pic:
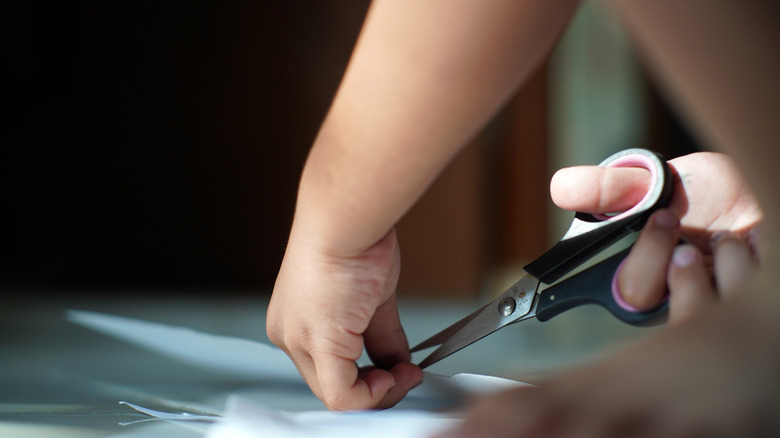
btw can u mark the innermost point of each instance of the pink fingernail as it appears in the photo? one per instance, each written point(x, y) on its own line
point(684, 256)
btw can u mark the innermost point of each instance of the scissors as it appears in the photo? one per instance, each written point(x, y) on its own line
point(588, 235)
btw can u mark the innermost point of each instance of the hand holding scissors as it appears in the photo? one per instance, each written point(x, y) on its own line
point(587, 236)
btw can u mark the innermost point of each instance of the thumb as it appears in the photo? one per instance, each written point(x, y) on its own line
point(593, 189)
point(385, 340)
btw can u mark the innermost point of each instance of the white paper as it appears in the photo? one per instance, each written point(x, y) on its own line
point(237, 357)
point(254, 360)
point(244, 419)
point(171, 416)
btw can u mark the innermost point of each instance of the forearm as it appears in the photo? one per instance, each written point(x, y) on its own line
point(424, 78)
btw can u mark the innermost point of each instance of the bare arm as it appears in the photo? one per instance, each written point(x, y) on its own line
point(715, 374)
point(425, 77)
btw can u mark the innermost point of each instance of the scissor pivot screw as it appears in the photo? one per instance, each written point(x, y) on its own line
point(507, 306)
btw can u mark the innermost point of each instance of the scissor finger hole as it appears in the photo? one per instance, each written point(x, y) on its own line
point(634, 160)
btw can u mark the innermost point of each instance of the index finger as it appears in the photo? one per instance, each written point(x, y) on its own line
point(342, 388)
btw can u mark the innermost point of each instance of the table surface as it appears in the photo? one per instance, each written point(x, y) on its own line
point(60, 379)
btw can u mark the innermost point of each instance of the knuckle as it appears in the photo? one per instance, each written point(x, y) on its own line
point(274, 332)
point(304, 341)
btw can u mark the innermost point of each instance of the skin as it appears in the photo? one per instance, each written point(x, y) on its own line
point(335, 288)
point(711, 196)
point(714, 373)
point(425, 76)
point(621, 405)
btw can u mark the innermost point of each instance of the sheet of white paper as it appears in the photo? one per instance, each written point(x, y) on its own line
point(237, 357)
point(255, 360)
point(476, 384)
point(244, 419)
point(180, 416)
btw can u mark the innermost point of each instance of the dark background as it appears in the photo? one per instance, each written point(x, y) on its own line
point(156, 146)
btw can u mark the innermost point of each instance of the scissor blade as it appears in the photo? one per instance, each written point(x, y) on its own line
point(442, 336)
point(512, 306)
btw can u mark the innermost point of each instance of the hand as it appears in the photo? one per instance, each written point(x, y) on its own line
point(325, 307)
point(710, 196)
point(714, 375)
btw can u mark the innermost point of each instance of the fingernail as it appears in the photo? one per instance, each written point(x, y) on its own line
point(666, 219)
point(684, 256)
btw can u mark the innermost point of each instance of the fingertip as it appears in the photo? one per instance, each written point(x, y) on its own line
point(734, 261)
point(407, 376)
point(375, 388)
point(561, 187)
point(343, 386)
point(690, 284)
point(685, 256)
point(379, 383)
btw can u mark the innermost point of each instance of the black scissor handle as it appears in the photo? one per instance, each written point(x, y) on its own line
point(589, 234)
point(596, 285)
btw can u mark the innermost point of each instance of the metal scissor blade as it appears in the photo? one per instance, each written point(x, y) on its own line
point(455, 343)
point(512, 306)
point(444, 335)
